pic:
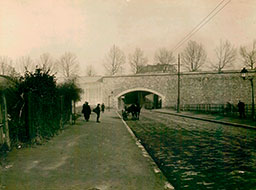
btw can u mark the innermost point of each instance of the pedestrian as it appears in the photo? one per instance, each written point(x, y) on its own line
point(102, 107)
point(241, 109)
point(137, 111)
point(86, 111)
point(228, 107)
point(97, 111)
point(124, 115)
point(132, 109)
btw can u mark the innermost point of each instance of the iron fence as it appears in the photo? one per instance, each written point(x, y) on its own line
point(222, 109)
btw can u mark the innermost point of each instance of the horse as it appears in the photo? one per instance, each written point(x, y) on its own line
point(134, 110)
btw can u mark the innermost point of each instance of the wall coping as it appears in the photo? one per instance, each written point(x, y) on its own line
point(182, 73)
point(100, 78)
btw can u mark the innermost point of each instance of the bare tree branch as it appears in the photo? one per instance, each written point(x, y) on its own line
point(90, 71)
point(68, 65)
point(226, 55)
point(249, 56)
point(137, 60)
point(194, 56)
point(163, 56)
point(47, 63)
point(114, 61)
point(6, 66)
point(25, 63)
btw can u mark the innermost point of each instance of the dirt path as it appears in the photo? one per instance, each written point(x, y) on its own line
point(84, 156)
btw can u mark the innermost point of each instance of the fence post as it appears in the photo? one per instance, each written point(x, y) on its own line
point(73, 113)
point(26, 114)
point(1, 125)
point(31, 111)
point(5, 122)
point(70, 112)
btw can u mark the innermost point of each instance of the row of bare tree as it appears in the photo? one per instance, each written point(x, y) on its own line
point(193, 58)
point(66, 66)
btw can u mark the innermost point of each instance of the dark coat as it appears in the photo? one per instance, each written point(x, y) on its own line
point(102, 107)
point(86, 109)
point(97, 110)
point(241, 106)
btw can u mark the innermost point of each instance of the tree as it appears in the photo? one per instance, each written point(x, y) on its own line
point(164, 56)
point(114, 61)
point(68, 65)
point(137, 60)
point(71, 90)
point(249, 56)
point(6, 67)
point(46, 62)
point(226, 55)
point(194, 56)
point(24, 64)
point(39, 115)
point(90, 71)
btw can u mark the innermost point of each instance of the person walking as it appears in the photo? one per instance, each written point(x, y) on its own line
point(86, 111)
point(102, 107)
point(97, 111)
point(137, 111)
point(241, 109)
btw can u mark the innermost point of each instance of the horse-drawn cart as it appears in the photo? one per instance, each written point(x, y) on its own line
point(134, 110)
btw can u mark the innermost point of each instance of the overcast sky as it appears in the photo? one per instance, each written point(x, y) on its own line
point(89, 28)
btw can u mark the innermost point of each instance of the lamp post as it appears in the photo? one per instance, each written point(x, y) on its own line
point(245, 76)
point(178, 98)
point(109, 102)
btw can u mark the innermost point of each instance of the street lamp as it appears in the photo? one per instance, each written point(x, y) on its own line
point(109, 100)
point(245, 76)
point(178, 98)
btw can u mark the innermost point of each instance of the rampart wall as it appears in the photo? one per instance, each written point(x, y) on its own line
point(196, 88)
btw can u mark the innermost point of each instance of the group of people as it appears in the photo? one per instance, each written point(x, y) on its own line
point(240, 107)
point(86, 110)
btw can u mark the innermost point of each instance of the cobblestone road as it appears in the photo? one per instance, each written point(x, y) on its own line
point(198, 155)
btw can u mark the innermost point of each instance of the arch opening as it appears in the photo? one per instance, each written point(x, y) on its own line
point(145, 98)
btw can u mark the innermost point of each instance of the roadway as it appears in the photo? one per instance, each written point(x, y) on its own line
point(197, 154)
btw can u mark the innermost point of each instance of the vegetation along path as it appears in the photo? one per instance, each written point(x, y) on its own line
point(87, 155)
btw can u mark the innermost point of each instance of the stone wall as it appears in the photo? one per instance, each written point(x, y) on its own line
point(214, 88)
point(196, 88)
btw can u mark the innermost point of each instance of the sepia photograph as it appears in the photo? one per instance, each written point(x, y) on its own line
point(127, 94)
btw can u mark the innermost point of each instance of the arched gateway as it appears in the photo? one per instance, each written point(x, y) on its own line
point(147, 98)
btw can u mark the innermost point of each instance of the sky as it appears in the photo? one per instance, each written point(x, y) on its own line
point(89, 28)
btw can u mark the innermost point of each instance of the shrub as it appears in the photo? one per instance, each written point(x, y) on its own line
point(39, 114)
point(37, 106)
point(69, 91)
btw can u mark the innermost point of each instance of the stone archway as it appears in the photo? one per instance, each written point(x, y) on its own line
point(118, 97)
